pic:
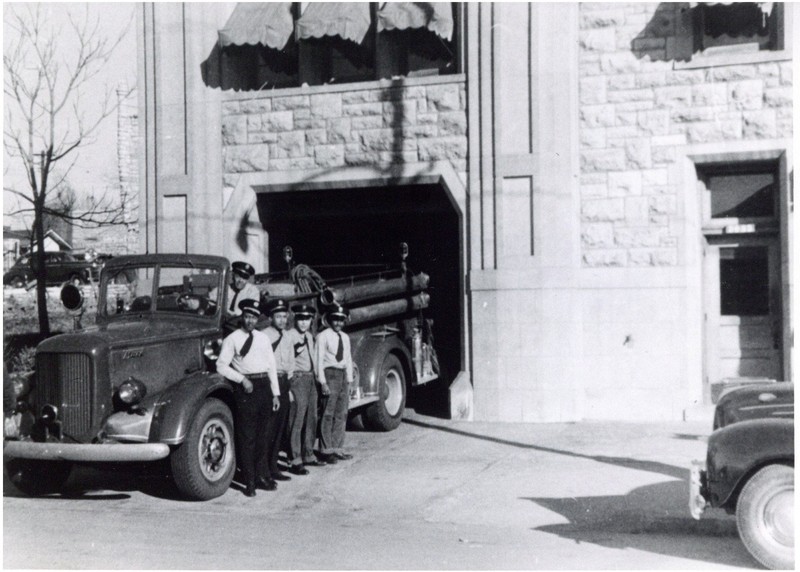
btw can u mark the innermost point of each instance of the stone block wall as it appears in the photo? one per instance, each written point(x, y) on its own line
point(639, 103)
point(374, 123)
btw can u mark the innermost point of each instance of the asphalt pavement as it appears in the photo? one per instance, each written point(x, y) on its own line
point(433, 494)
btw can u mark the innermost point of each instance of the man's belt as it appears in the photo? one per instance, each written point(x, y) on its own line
point(256, 376)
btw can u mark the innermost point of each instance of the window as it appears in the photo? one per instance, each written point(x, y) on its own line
point(741, 26)
point(405, 47)
point(740, 192)
point(743, 281)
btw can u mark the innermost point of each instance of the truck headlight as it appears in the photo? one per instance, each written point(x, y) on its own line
point(131, 392)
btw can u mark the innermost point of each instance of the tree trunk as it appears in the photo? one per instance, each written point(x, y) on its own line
point(39, 267)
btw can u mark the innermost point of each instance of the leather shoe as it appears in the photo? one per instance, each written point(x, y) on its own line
point(250, 491)
point(281, 477)
point(266, 484)
point(330, 459)
point(298, 470)
point(343, 456)
point(315, 463)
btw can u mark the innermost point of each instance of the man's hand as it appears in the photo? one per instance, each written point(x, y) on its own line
point(326, 391)
point(276, 403)
point(248, 385)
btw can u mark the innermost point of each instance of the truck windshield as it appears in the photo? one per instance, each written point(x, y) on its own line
point(192, 290)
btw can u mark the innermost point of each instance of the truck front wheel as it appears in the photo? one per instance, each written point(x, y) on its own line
point(386, 413)
point(765, 516)
point(35, 478)
point(203, 464)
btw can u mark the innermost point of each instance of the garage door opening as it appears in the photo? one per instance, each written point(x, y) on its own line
point(346, 231)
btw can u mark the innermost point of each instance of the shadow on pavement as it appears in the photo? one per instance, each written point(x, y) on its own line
point(111, 482)
point(650, 466)
point(649, 518)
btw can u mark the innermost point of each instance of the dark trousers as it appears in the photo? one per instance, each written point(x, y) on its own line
point(253, 415)
point(334, 413)
point(303, 422)
point(277, 426)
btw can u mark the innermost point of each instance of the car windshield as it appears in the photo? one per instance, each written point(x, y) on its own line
point(183, 289)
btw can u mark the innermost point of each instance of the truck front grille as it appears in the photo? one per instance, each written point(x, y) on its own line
point(65, 380)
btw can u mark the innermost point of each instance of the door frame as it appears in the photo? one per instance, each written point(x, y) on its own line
point(686, 170)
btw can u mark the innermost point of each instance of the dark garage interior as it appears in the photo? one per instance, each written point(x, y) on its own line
point(343, 231)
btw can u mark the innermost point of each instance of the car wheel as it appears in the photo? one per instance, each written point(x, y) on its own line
point(386, 413)
point(17, 282)
point(203, 464)
point(765, 516)
point(34, 477)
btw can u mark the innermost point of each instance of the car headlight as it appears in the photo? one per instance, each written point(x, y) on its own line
point(131, 392)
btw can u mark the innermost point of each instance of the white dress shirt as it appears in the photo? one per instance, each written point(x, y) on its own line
point(259, 359)
point(327, 344)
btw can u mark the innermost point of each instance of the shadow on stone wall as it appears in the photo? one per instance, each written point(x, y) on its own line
point(668, 36)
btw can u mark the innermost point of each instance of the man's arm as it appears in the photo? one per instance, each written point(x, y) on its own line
point(226, 353)
point(348, 361)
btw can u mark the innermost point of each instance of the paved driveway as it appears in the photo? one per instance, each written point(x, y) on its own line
point(433, 494)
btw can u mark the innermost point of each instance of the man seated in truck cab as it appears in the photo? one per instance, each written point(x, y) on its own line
point(239, 289)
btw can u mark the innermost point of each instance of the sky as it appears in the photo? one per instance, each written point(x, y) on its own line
point(97, 162)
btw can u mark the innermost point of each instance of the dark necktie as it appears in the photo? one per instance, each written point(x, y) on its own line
point(233, 302)
point(340, 349)
point(276, 342)
point(247, 343)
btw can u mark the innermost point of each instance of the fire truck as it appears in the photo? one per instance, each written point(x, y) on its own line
point(141, 385)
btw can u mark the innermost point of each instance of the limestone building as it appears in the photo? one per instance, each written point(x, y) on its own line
point(600, 192)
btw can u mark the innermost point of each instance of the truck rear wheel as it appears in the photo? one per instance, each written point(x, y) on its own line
point(35, 478)
point(765, 516)
point(203, 464)
point(386, 413)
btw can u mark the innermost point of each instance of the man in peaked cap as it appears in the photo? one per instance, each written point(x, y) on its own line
point(303, 415)
point(283, 349)
point(335, 374)
point(240, 289)
point(247, 361)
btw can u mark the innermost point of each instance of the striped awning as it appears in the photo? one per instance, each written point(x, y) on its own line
point(350, 20)
point(435, 16)
point(766, 7)
point(266, 23)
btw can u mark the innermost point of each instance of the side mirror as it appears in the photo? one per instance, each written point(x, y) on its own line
point(71, 297)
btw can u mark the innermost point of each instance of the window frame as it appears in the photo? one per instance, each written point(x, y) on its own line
point(733, 54)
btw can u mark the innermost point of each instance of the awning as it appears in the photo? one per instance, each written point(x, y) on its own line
point(436, 16)
point(350, 20)
point(266, 23)
point(766, 7)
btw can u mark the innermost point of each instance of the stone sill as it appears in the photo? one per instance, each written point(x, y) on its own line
point(732, 59)
point(346, 87)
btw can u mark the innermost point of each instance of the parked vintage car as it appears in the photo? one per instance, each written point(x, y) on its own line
point(749, 470)
point(60, 267)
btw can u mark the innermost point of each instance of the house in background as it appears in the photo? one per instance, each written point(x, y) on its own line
point(18, 242)
point(600, 192)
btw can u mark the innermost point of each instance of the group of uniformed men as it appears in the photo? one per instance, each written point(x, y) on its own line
point(277, 375)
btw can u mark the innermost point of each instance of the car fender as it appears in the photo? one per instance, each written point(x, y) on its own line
point(369, 355)
point(176, 405)
point(737, 451)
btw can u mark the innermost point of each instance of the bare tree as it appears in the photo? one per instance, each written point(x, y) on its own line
point(48, 68)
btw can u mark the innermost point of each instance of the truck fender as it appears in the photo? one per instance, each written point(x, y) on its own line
point(369, 356)
point(176, 405)
point(737, 451)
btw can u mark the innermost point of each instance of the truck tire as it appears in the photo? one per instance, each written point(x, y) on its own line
point(203, 464)
point(35, 478)
point(765, 517)
point(386, 413)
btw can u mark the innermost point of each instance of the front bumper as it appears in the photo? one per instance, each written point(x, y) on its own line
point(85, 452)
point(697, 487)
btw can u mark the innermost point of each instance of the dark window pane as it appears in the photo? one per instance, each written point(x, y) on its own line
point(744, 282)
point(414, 52)
point(743, 195)
point(332, 59)
point(251, 68)
point(737, 23)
